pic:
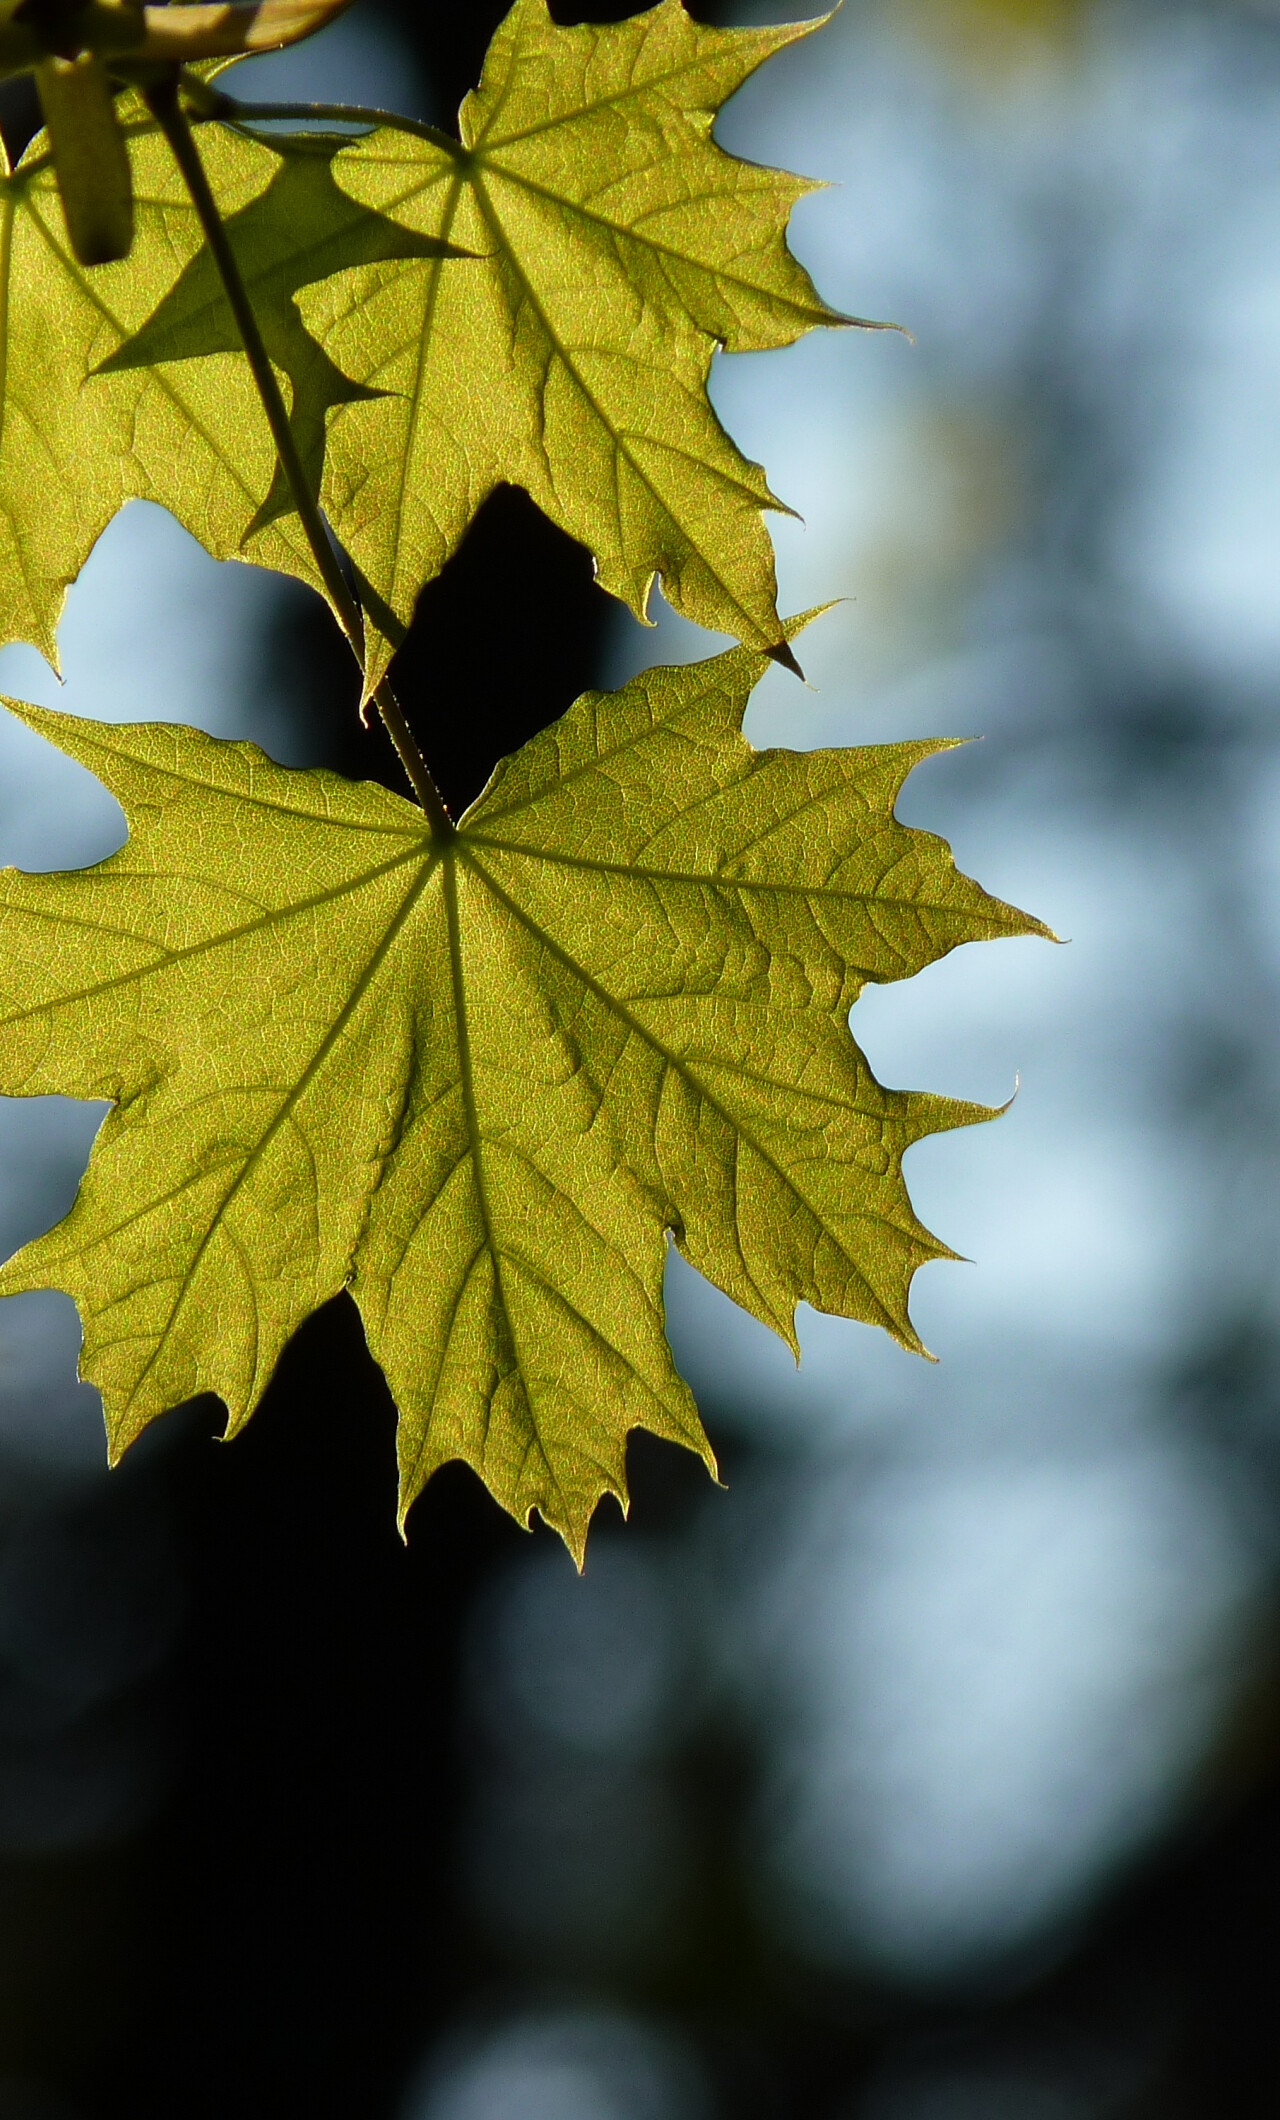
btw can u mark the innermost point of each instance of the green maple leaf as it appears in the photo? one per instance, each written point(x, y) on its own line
point(88, 422)
point(478, 1080)
point(538, 305)
point(617, 247)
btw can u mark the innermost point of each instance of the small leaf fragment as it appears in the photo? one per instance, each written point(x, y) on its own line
point(179, 35)
point(211, 29)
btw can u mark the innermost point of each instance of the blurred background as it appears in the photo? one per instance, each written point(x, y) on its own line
point(932, 1771)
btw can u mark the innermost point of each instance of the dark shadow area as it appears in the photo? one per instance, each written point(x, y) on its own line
point(297, 1890)
point(501, 643)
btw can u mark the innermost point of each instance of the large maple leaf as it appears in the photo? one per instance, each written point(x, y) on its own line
point(100, 399)
point(477, 1079)
point(617, 248)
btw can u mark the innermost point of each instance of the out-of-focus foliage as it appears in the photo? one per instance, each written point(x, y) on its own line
point(67, 44)
point(990, 37)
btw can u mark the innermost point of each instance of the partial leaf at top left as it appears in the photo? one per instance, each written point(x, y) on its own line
point(84, 428)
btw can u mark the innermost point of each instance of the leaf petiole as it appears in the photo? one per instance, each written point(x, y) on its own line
point(163, 102)
point(215, 103)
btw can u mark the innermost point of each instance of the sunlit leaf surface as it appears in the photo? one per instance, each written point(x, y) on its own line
point(478, 1081)
point(617, 248)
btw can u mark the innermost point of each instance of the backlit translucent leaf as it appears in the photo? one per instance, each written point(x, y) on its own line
point(477, 1082)
point(617, 248)
point(190, 33)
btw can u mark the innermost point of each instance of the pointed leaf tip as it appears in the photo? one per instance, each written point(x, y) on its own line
point(782, 652)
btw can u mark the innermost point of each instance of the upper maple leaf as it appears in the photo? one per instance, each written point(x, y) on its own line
point(537, 303)
point(477, 1079)
point(617, 248)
